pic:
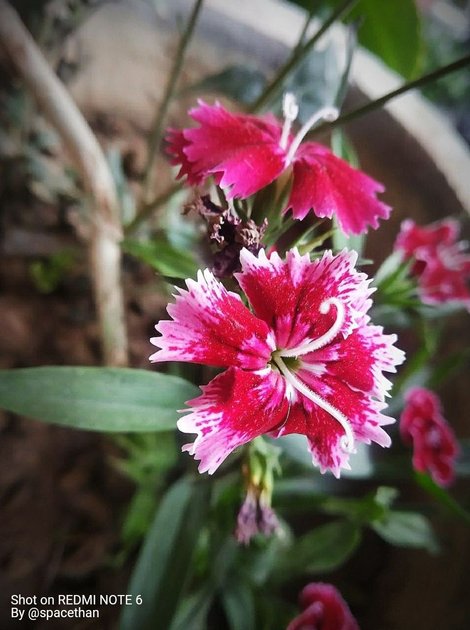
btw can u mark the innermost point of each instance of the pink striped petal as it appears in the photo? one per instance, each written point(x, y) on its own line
point(360, 360)
point(211, 325)
point(234, 408)
point(175, 149)
point(288, 294)
point(324, 432)
point(331, 187)
point(242, 151)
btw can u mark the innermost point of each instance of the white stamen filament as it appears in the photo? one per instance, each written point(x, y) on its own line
point(326, 113)
point(290, 110)
point(346, 440)
point(330, 334)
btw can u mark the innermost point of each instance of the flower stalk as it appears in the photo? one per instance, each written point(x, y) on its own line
point(160, 118)
point(459, 64)
point(298, 55)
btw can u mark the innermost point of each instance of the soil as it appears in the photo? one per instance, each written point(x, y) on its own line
point(61, 499)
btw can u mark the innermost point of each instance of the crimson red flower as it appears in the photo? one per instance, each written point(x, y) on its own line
point(441, 265)
point(303, 360)
point(246, 153)
point(434, 444)
point(324, 609)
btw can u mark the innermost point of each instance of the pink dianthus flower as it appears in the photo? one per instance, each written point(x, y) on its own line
point(324, 609)
point(441, 265)
point(303, 360)
point(434, 445)
point(245, 153)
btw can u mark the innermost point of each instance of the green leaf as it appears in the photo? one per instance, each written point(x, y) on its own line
point(48, 273)
point(138, 516)
point(350, 46)
point(295, 447)
point(322, 549)
point(193, 610)
point(258, 562)
point(167, 259)
point(124, 191)
point(241, 83)
point(96, 399)
point(407, 529)
point(341, 241)
point(391, 30)
point(164, 563)
point(444, 498)
point(313, 86)
point(237, 600)
point(343, 148)
point(449, 366)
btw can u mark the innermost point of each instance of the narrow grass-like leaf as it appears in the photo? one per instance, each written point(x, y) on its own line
point(96, 399)
point(163, 257)
point(237, 600)
point(164, 563)
point(441, 495)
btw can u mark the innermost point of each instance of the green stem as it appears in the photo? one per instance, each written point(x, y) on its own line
point(308, 21)
point(411, 85)
point(156, 134)
point(148, 209)
point(298, 54)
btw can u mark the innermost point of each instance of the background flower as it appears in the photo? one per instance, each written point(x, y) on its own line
point(324, 609)
point(441, 262)
point(434, 444)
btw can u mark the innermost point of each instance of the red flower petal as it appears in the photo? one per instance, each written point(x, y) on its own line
point(360, 359)
point(242, 151)
point(323, 431)
point(287, 295)
point(324, 609)
point(235, 407)
point(211, 325)
point(329, 186)
point(176, 145)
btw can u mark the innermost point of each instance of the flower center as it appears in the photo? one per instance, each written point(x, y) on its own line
point(287, 363)
point(323, 340)
point(290, 110)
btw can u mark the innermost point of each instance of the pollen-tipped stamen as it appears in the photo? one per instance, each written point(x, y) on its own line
point(326, 113)
point(346, 440)
point(290, 109)
point(324, 339)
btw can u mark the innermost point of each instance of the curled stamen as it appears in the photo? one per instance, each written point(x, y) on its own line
point(326, 113)
point(347, 440)
point(290, 110)
point(330, 334)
